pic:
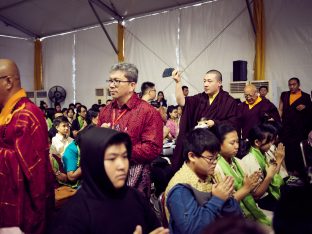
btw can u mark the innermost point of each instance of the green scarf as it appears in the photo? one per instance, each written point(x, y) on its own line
point(80, 121)
point(277, 180)
point(248, 204)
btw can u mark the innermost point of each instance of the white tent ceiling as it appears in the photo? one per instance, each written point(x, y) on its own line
point(40, 18)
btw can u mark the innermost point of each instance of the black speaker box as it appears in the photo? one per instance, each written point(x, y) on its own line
point(239, 70)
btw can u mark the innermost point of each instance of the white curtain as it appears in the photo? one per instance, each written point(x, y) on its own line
point(94, 57)
point(201, 47)
point(58, 64)
point(79, 62)
point(153, 43)
point(150, 43)
point(22, 52)
point(289, 42)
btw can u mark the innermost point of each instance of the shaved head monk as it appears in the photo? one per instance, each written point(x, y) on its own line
point(255, 110)
point(26, 179)
point(214, 105)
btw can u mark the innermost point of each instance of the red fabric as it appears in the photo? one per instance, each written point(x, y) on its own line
point(26, 179)
point(142, 122)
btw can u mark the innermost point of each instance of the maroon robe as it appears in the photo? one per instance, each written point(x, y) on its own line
point(296, 127)
point(222, 110)
point(260, 113)
point(26, 179)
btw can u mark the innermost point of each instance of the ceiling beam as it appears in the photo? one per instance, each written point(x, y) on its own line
point(18, 27)
point(107, 9)
point(12, 5)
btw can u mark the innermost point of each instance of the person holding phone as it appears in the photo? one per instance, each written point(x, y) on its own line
point(216, 105)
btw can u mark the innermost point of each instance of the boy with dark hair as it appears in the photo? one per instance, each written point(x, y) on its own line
point(192, 200)
point(58, 146)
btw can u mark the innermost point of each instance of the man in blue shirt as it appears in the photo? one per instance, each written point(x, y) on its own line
point(193, 200)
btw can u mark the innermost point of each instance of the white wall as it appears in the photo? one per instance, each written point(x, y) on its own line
point(22, 52)
point(154, 43)
point(79, 62)
point(289, 42)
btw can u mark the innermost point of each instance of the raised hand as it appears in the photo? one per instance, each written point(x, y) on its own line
point(176, 75)
point(280, 153)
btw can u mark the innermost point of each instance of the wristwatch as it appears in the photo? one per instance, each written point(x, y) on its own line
point(57, 173)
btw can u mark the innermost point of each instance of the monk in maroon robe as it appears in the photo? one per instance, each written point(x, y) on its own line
point(214, 104)
point(26, 179)
point(255, 110)
point(296, 111)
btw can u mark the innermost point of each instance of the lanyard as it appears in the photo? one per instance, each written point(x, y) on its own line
point(115, 120)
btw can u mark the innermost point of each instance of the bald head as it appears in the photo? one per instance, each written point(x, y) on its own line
point(9, 80)
point(8, 68)
point(251, 93)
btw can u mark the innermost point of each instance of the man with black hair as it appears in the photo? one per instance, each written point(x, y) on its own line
point(128, 113)
point(148, 91)
point(216, 105)
point(296, 111)
point(263, 91)
point(185, 90)
point(192, 200)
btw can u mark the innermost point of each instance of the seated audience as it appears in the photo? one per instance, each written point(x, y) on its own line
point(192, 201)
point(161, 99)
point(172, 122)
point(229, 165)
point(104, 203)
point(58, 146)
point(70, 115)
point(92, 117)
point(268, 192)
point(80, 122)
point(58, 108)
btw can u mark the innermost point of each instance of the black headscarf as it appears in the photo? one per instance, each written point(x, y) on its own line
point(93, 144)
point(98, 207)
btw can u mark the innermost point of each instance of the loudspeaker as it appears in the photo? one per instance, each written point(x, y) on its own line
point(239, 70)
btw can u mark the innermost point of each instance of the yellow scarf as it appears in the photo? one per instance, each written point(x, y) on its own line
point(186, 176)
point(259, 99)
point(6, 115)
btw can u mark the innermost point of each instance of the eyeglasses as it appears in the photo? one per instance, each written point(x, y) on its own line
point(117, 82)
point(210, 159)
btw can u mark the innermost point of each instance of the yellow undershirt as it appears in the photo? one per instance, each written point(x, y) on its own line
point(259, 99)
point(212, 98)
point(294, 97)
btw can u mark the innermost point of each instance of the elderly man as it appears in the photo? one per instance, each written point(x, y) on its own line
point(296, 111)
point(255, 110)
point(214, 104)
point(26, 179)
point(128, 113)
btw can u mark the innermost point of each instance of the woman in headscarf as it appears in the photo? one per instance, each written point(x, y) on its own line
point(104, 204)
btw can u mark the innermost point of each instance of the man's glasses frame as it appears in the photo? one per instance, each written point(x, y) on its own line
point(209, 159)
point(117, 82)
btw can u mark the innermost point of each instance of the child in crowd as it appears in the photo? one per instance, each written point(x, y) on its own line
point(172, 122)
point(268, 192)
point(59, 143)
point(192, 201)
point(229, 165)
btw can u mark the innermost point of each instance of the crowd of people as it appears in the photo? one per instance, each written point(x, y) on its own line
point(232, 160)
